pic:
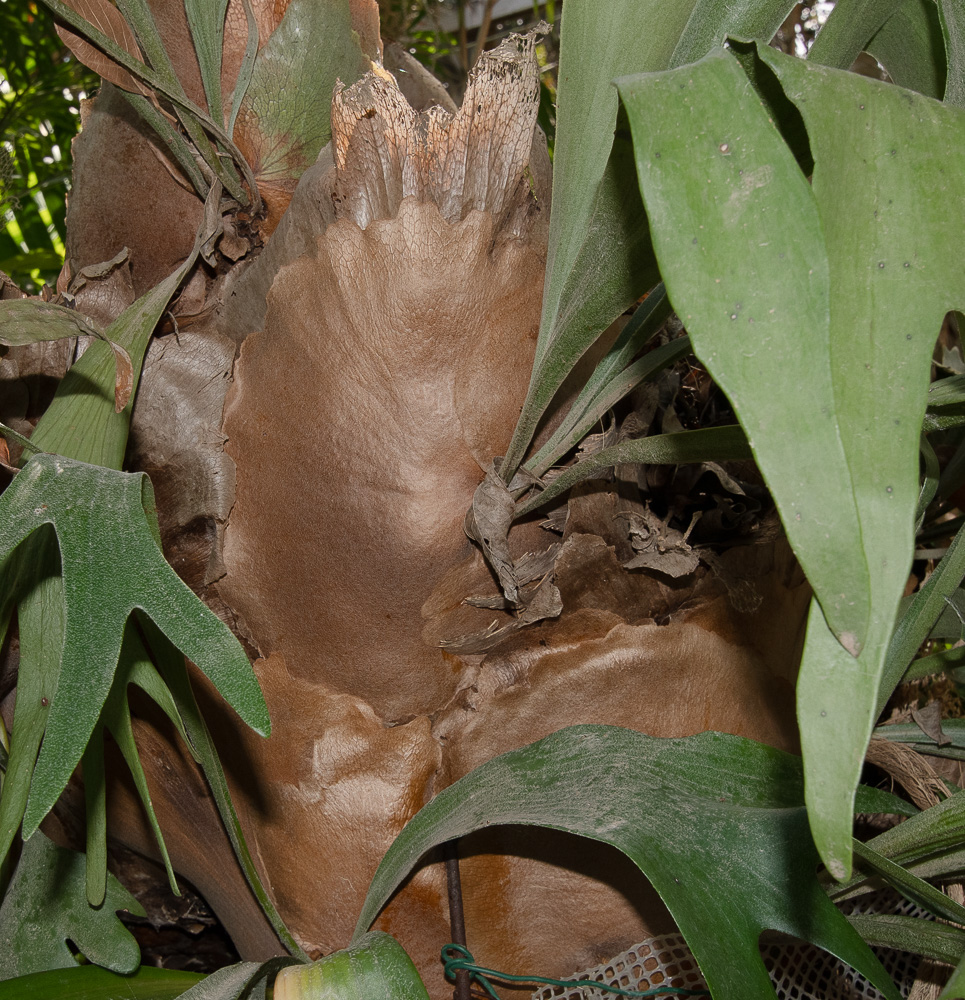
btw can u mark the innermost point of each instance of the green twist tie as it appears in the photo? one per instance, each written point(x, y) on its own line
point(457, 958)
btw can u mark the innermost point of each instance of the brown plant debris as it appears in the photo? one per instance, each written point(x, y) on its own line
point(910, 769)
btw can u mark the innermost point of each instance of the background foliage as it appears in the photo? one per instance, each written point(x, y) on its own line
point(41, 85)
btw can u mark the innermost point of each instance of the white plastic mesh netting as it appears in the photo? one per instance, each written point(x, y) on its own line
point(798, 971)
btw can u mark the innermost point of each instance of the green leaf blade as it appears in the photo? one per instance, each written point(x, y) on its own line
point(600, 258)
point(890, 230)
point(111, 565)
point(737, 858)
point(91, 982)
point(848, 29)
point(952, 16)
point(709, 444)
point(206, 19)
point(286, 110)
point(910, 47)
point(41, 640)
point(376, 966)
point(46, 905)
point(82, 421)
point(740, 247)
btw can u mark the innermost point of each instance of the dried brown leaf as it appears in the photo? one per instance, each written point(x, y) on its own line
point(123, 377)
point(929, 721)
point(101, 270)
point(545, 602)
point(534, 565)
point(104, 16)
point(473, 159)
point(488, 522)
point(658, 546)
point(9, 288)
point(27, 321)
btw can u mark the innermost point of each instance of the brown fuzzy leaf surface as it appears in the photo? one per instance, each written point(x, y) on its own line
point(389, 370)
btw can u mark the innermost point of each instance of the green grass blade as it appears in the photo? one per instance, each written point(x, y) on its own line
point(246, 68)
point(930, 480)
point(910, 886)
point(613, 267)
point(595, 397)
point(190, 114)
point(928, 844)
point(587, 413)
point(600, 259)
point(717, 444)
point(206, 19)
point(916, 623)
point(911, 934)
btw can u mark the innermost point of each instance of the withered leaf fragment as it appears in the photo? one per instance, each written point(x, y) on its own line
point(27, 321)
point(103, 15)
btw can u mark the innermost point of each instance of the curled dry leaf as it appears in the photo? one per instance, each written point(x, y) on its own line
point(929, 721)
point(101, 270)
point(9, 288)
point(487, 523)
point(658, 546)
point(124, 380)
point(103, 15)
point(543, 602)
point(529, 567)
point(100, 291)
point(27, 321)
